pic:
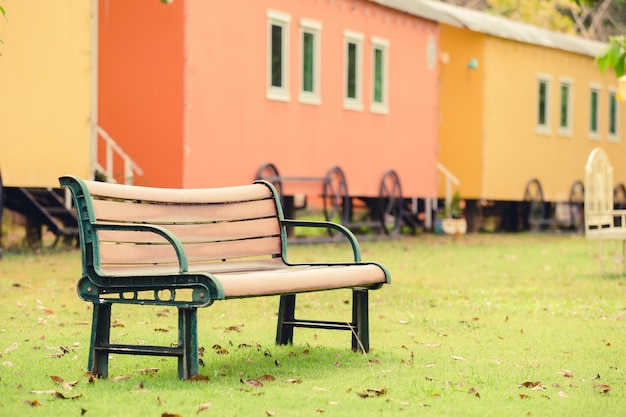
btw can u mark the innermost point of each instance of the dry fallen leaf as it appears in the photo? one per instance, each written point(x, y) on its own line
point(203, 407)
point(474, 392)
point(33, 403)
point(603, 388)
point(252, 382)
point(266, 377)
point(458, 358)
point(147, 371)
point(120, 378)
point(566, 373)
point(12, 347)
point(170, 415)
point(524, 396)
point(562, 394)
point(294, 381)
point(196, 378)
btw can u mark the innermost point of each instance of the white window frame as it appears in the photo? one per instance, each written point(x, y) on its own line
point(544, 129)
point(598, 89)
point(314, 28)
point(613, 137)
point(383, 106)
point(569, 82)
point(276, 18)
point(355, 103)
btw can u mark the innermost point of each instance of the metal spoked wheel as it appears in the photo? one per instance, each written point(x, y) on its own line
point(1, 210)
point(335, 196)
point(390, 200)
point(576, 205)
point(269, 172)
point(619, 197)
point(535, 207)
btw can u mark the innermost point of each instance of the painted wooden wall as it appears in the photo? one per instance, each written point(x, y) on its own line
point(45, 91)
point(183, 90)
point(488, 132)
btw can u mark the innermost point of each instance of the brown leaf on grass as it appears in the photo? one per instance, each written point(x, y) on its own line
point(562, 394)
point(60, 395)
point(120, 378)
point(531, 384)
point(233, 329)
point(198, 378)
point(319, 410)
point(372, 393)
point(116, 324)
point(473, 391)
point(603, 388)
point(458, 358)
point(161, 330)
point(293, 381)
point(373, 361)
point(266, 377)
point(13, 346)
point(222, 352)
point(33, 403)
point(524, 397)
point(203, 407)
point(91, 378)
point(270, 413)
point(252, 382)
point(147, 371)
point(566, 373)
point(170, 415)
point(67, 386)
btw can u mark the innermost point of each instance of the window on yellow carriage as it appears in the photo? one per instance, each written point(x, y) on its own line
point(594, 96)
point(613, 128)
point(379, 103)
point(353, 70)
point(278, 55)
point(565, 108)
point(310, 61)
point(543, 104)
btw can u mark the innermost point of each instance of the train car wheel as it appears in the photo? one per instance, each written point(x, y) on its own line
point(1, 210)
point(335, 197)
point(576, 205)
point(390, 200)
point(619, 197)
point(269, 172)
point(534, 205)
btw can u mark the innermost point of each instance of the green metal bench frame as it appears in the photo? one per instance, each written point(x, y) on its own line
point(107, 280)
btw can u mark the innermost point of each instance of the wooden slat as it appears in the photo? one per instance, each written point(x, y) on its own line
point(171, 195)
point(155, 254)
point(196, 233)
point(120, 211)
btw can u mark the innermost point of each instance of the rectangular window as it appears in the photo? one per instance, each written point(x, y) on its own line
point(613, 134)
point(543, 105)
point(594, 95)
point(565, 109)
point(278, 56)
point(353, 69)
point(379, 76)
point(310, 38)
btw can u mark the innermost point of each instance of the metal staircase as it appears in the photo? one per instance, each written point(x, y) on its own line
point(43, 207)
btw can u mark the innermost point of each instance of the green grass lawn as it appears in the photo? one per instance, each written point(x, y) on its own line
point(479, 325)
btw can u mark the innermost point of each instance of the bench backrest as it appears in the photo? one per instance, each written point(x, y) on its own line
point(598, 191)
point(231, 225)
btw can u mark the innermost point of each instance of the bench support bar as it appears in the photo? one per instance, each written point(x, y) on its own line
point(359, 327)
point(186, 351)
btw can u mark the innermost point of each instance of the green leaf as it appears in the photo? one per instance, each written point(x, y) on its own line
point(4, 13)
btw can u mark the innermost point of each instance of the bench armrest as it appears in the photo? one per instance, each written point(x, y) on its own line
point(356, 250)
point(183, 264)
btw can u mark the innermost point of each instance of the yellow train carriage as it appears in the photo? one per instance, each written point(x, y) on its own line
point(46, 103)
point(521, 108)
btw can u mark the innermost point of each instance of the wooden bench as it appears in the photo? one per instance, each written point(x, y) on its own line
point(189, 247)
point(602, 220)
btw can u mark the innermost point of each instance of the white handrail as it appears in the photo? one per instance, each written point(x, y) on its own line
point(112, 148)
point(450, 179)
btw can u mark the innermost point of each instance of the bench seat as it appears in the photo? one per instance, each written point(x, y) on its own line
point(191, 247)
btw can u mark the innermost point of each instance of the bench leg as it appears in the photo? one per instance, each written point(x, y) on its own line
point(98, 363)
point(286, 313)
point(360, 319)
point(188, 341)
